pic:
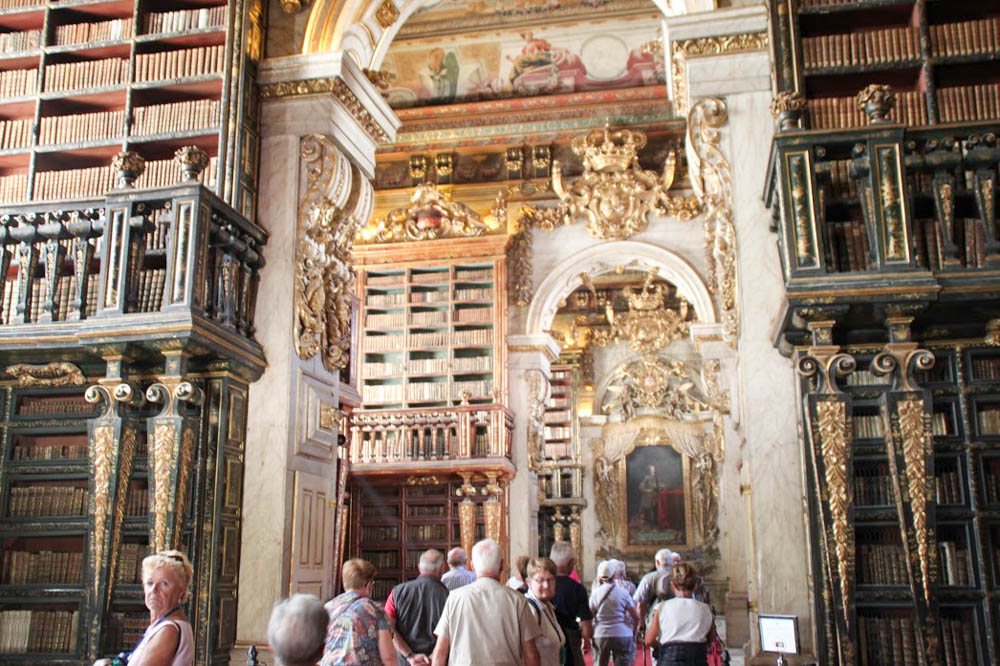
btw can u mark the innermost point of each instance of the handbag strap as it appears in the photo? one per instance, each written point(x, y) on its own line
point(605, 597)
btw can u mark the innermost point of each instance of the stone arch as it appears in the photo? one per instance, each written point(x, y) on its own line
point(565, 277)
point(362, 28)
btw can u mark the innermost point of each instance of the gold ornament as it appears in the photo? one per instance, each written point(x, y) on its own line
point(57, 373)
point(613, 194)
point(431, 214)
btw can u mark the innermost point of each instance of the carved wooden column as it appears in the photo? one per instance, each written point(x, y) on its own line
point(112, 441)
point(172, 441)
point(467, 513)
point(493, 509)
point(906, 416)
point(828, 435)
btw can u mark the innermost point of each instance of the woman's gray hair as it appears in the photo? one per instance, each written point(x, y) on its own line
point(562, 553)
point(487, 558)
point(297, 629)
point(177, 566)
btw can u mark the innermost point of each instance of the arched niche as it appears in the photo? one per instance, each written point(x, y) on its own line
point(603, 258)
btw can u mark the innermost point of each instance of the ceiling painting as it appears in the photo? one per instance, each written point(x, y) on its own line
point(524, 63)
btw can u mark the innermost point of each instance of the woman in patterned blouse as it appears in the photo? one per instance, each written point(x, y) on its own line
point(359, 633)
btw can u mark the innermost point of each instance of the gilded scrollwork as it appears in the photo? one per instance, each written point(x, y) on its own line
point(712, 181)
point(57, 373)
point(539, 391)
point(337, 198)
point(431, 214)
point(706, 46)
point(913, 430)
point(832, 433)
point(519, 255)
point(614, 194)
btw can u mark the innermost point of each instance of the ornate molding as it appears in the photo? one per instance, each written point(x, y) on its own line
point(57, 373)
point(914, 434)
point(648, 326)
point(430, 215)
point(613, 194)
point(712, 181)
point(833, 441)
point(336, 200)
point(519, 256)
point(707, 46)
point(539, 391)
point(386, 14)
point(333, 85)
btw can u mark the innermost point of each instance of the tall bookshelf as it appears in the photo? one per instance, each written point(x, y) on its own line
point(81, 80)
point(393, 524)
point(939, 56)
point(432, 334)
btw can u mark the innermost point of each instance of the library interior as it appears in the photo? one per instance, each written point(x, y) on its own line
point(289, 282)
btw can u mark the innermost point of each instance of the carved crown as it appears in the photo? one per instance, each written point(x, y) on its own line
point(650, 298)
point(609, 150)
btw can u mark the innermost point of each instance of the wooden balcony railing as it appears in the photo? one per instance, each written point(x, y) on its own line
point(460, 433)
point(136, 260)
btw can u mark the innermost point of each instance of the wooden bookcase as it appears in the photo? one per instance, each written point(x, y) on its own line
point(393, 524)
point(940, 57)
point(430, 332)
point(81, 80)
point(965, 386)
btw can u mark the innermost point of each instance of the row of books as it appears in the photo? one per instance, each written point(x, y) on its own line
point(926, 242)
point(559, 416)
point(435, 277)
point(972, 102)
point(89, 182)
point(130, 562)
point(956, 566)
point(376, 533)
point(376, 370)
point(101, 31)
point(989, 420)
point(479, 388)
point(947, 489)
point(149, 293)
point(53, 404)
point(428, 277)
point(429, 366)
point(861, 48)
point(437, 532)
point(186, 19)
point(558, 432)
point(481, 336)
point(431, 339)
point(38, 631)
point(18, 82)
point(991, 485)
point(384, 343)
point(841, 184)
point(130, 627)
point(17, 4)
point(474, 315)
point(182, 63)
point(431, 296)
point(26, 40)
point(383, 393)
point(86, 74)
point(13, 187)
point(21, 567)
point(844, 111)
point(158, 238)
point(382, 559)
point(887, 641)
point(965, 38)
point(164, 173)
point(385, 280)
point(478, 294)
point(959, 642)
point(986, 368)
point(61, 301)
point(15, 133)
point(427, 391)
point(558, 402)
point(472, 364)
point(868, 426)
point(137, 502)
point(62, 451)
point(865, 378)
point(382, 587)
point(429, 317)
point(33, 501)
point(398, 298)
point(473, 273)
point(391, 320)
point(81, 127)
point(425, 511)
point(846, 246)
point(873, 490)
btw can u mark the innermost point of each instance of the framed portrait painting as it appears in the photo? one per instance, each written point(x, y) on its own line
point(656, 495)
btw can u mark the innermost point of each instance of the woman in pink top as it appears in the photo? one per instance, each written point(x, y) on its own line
point(168, 640)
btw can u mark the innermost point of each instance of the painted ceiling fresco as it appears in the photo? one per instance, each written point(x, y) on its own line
point(531, 60)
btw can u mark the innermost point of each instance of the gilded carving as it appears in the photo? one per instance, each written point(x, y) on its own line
point(467, 512)
point(492, 507)
point(414, 480)
point(57, 373)
point(877, 101)
point(707, 46)
point(712, 181)
point(386, 14)
point(832, 432)
point(614, 194)
point(324, 278)
point(294, 6)
point(913, 431)
point(992, 336)
point(519, 255)
point(431, 214)
point(648, 326)
point(539, 391)
point(102, 456)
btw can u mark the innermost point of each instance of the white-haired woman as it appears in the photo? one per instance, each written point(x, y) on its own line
point(168, 640)
point(615, 618)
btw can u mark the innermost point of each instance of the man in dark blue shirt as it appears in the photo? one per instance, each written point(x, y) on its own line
point(572, 605)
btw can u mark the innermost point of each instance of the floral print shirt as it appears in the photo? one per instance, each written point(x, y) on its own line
point(352, 635)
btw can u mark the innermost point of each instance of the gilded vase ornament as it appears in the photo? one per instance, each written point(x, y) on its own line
point(192, 161)
point(787, 107)
point(128, 165)
point(877, 101)
point(613, 194)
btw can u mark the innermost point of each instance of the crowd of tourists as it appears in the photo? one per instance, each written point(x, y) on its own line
point(541, 616)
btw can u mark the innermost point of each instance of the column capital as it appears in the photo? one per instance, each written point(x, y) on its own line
point(326, 93)
point(541, 343)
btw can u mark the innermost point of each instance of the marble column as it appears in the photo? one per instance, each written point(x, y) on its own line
point(525, 353)
point(321, 122)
